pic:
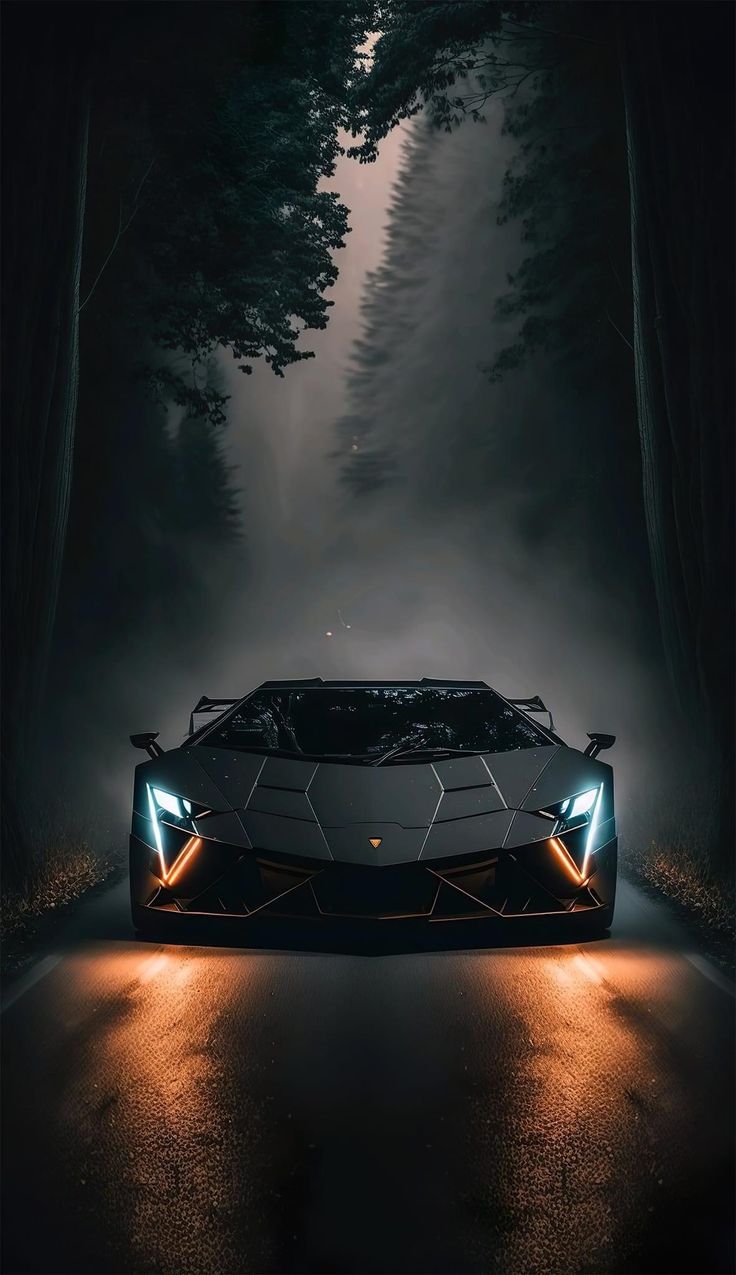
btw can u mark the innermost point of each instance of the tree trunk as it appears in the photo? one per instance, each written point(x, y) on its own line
point(678, 97)
point(46, 116)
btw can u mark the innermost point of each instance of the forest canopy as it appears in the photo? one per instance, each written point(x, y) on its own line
point(628, 213)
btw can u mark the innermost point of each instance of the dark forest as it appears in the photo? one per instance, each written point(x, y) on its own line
point(164, 204)
point(387, 344)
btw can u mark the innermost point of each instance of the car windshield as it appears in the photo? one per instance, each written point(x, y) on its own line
point(368, 722)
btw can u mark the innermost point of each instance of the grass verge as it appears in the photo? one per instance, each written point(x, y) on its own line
point(703, 899)
point(63, 864)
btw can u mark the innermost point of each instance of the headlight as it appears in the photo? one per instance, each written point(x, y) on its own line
point(174, 832)
point(585, 802)
point(577, 818)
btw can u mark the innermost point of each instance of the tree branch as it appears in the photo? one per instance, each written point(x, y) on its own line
point(561, 35)
point(120, 232)
point(616, 274)
point(615, 327)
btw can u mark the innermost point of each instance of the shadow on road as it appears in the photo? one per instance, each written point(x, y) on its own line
point(108, 920)
point(366, 938)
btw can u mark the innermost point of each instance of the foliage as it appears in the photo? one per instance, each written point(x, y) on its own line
point(567, 188)
point(425, 53)
point(69, 851)
point(392, 298)
point(161, 497)
point(567, 184)
point(669, 844)
point(229, 241)
point(204, 484)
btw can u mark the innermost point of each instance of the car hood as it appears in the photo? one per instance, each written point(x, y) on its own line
point(329, 810)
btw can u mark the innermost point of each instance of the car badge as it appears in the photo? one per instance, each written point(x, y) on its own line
point(375, 842)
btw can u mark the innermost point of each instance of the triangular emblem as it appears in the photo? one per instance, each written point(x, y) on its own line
point(375, 842)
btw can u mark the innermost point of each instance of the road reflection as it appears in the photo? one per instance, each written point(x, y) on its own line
point(596, 1137)
point(547, 1109)
point(162, 1115)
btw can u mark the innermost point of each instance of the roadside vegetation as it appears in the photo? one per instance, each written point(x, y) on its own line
point(59, 872)
point(682, 874)
point(667, 851)
point(67, 856)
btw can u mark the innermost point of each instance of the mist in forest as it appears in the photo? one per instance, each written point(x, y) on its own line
point(399, 515)
point(396, 525)
point(457, 484)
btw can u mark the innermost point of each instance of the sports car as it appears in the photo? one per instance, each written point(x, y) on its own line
point(433, 800)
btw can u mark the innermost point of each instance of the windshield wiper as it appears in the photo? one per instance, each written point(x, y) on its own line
point(407, 747)
point(438, 750)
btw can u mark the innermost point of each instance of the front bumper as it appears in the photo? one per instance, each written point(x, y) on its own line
point(230, 882)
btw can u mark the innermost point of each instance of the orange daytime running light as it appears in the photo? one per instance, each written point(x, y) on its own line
point(181, 861)
point(566, 859)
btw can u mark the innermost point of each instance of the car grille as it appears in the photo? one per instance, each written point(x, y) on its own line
point(522, 882)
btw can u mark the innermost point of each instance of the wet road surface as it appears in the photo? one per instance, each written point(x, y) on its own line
point(214, 1110)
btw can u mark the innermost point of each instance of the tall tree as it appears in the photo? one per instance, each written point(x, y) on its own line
point(677, 73)
point(393, 296)
point(220, 128)
point(46, 102)
point(677, 77)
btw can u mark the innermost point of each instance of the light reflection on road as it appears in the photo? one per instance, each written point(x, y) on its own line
point(215, 1110)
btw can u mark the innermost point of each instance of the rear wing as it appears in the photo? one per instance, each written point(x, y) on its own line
point(207, 711)
point(534, 705)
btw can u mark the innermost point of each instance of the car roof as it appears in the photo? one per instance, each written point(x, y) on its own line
point(318, 682)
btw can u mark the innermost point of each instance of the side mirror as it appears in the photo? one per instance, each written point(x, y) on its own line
point(598, 742)
point(147, 741)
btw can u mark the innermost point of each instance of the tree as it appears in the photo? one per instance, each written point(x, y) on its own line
point(233, 242)
point(677, 78)
point(46, 102)
point(205, 230)
point(422, 59)
point(391, 299)
point(154, 556)
point(567, 187)
point(570, 299)
point(675, 64)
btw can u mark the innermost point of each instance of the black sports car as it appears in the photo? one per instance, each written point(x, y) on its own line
point(433, 800)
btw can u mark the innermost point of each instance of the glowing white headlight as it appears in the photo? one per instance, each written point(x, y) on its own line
point(582, 804)
point(167, 801)
point(576, 823)
point(170, 817)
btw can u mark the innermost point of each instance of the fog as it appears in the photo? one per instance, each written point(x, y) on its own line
point(436, 573)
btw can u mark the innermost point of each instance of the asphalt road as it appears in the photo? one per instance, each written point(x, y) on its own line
point(512, 1110)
